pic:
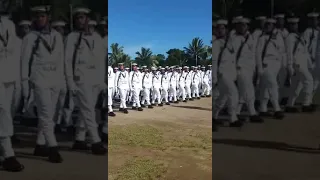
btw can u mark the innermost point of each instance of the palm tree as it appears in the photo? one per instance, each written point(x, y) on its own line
point(117, 55)
point(144, 57)
point(195, 50)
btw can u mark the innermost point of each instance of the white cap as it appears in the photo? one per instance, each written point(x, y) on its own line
point(203, 67)
point(185, 67)
point(153, 68)
point(313, 14)
point(43, 9)
point(162, 68)
point(92, 23)
point(120, 64)
point(244, 21)
point(58, 23)
point(209, 65)
point(134, 64)
point(144, 66)
point(179, 68)
point(279, 16)
point(270, 20)
point(261, 18)
point(127, 68)
point(115, 68)
point(81, 10)
point(103, 22)
point(293, 20)
point(138, 68)
point(25, 22)
point(235, 19)
point(222, 22)
point(167, 67)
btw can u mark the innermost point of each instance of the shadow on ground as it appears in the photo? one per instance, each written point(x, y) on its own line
point(267, 145)
point(193, 107)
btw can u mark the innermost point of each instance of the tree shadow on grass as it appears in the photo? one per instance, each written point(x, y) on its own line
point(267, 145)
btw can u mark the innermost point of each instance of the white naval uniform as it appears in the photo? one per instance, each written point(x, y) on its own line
point(111, 81)
point(205, 83)
point(188, 80)
point(244, 47)
point(86, 75)
point(146, 85)
point(45, 50)
point(196, 80)
point(164, 87)
point(268, 69)
point(136, 86)
point(300, 62)
point(310, 35)
point(156, 85)
point(9, 74)
point(122, 83)
point(181, 84)
point(17, 94)
point(224, 75)
point(172, 86)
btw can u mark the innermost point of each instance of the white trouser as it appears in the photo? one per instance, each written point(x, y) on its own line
point(67, 111)
point(146, 96)
point(156, 95)
point(60, 105)
point(46, 99)
point(123, 95)
point(195, 90)
point(229, 94)
point(110, 95)
point(173, 93)
point(182, 92)
point(188, 90)
point(206, 89)
point(269, 88)
point(136, 97)
point(16, 100)
point(304, 81)
point(87, 97)
point(164, 95)
point(246, 91)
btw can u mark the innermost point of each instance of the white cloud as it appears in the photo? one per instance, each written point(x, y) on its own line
point(131, 50)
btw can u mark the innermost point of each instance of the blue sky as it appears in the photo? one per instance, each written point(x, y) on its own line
point(158, 24)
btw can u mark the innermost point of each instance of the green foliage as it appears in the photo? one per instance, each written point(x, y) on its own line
point(196, 53)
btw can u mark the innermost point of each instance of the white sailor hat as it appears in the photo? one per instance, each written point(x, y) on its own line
point(293, 20)
point(127, 68)
point(270, 20)
point(279, 16)
point(81, 10)
point(153, 68)
point(144, 66)
point(134, 64)
point(103, 22)
point(203, 67)
point(138, 68)
point(58, 23)
point(162, 68)
point(25, 22)
point(41, 9)
point(120, 64)
point(185, 67)
point(209, 65)
point(115, 68)
point(261, 18)
point(235, 19)
point(167, 67)
point(312, 15)
point(222, 22)
point(179, 68)
point(243, 20)
point(92, 23)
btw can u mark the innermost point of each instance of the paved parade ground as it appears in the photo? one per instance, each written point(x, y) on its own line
point(174, 143)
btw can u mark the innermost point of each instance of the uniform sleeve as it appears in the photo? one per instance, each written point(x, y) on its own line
point(282, 49)
point(26, 53)
point(258, 52)
point(289, 45)
point(68, 60)
point(215, 56)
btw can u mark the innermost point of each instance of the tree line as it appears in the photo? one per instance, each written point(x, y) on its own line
point(196, 53)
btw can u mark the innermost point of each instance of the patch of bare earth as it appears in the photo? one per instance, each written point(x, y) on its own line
point(171, 142)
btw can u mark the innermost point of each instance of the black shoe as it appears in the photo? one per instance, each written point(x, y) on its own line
point(80, 146)
point(170, 101)
point(125, 111)
point(98, 149)
point(208, 96)
point(167, 103)
point(284, 101)
point(140, 109)
point(160, 104)
point(150, 107)
point(54, 155)
point(241, 118)
point(121, 109)
point(142, 105)
point(104, 137)
point(153, 104)
point(203, 96)
point(41, 151)
point(308, 109)
point(290, 109)
point(278, 115)
point(176, 102)
point(15, 140)
point(11, 164)
point(185, 101)
point(191, 99)
point(256, 119)
point(198, 98)
point(134, 108)
point(236, 124)
point(112, 114)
